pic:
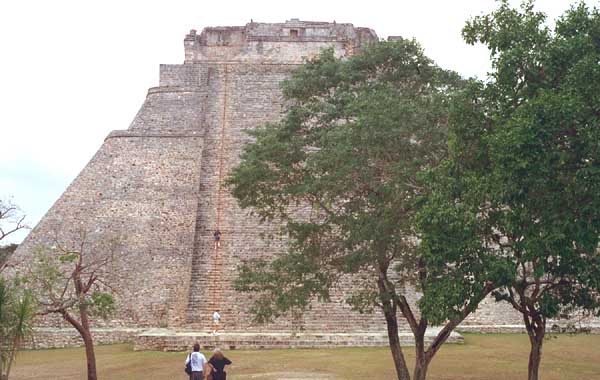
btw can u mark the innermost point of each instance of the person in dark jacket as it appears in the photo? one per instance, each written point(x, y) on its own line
point(217, 363)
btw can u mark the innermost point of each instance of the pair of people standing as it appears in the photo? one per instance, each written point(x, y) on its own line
point(215, 366)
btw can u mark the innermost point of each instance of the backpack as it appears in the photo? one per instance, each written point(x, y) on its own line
point(188, 366)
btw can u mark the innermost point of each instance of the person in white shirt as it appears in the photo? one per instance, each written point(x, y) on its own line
point(216, 319)
point(198, 361)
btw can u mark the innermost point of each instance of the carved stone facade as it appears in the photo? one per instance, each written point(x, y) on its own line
point(160, 186)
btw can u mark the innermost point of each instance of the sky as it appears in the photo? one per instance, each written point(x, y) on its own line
point(72, 71)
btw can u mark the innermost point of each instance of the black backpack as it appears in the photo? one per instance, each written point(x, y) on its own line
point(188, 366)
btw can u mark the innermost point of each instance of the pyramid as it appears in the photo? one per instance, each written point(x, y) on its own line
point(160, 186)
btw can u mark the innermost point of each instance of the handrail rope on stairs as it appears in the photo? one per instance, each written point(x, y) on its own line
point(216, 296)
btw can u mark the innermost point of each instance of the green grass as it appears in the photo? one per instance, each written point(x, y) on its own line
point(482, 357)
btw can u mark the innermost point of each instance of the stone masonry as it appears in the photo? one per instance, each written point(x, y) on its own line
point(160, 186)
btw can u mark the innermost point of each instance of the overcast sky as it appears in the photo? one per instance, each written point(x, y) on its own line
point(72, 71)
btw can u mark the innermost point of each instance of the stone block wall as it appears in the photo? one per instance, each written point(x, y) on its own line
point(48, 337)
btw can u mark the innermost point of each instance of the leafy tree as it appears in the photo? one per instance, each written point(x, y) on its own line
point(340, 171)
point(17, 311)
point(17, 306)
point(521, 187)
point(73, 279)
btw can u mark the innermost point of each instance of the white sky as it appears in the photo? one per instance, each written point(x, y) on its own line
point(72, 71)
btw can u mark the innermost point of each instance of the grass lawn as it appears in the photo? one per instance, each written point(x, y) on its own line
point(482, 357)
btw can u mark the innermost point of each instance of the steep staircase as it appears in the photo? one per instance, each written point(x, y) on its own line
point(205, 294)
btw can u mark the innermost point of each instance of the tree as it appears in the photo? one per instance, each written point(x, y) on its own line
point(73, 279)
point(521, 186)
point(12, 220)
point(17, 306)
point(340, 172)
point(17, 311)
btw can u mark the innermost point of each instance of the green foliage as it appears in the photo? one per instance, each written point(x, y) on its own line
point(68, 257)
point(66, 280)
point(48, 271)
point(288, 283)
point(17, 311)
point(101, 304)
point(517, 202)
point(340, 170)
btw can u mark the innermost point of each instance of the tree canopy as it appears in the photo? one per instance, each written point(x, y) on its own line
point(521, 186)
point(354, 136)
point(341, 171)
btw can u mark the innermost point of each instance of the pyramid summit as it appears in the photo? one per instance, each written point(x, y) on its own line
point(159, 186)
point(290, 42)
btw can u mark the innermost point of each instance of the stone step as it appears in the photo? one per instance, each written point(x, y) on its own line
point(182, 340)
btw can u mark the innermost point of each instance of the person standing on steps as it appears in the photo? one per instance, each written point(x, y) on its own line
point(197, 361)
point(217, 236)
point(217, 362)
point(216, 319)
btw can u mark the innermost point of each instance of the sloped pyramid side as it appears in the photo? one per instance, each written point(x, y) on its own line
point(142, 187)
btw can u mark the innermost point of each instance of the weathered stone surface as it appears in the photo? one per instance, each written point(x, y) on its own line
point(48, 337)
point(159, 185)
point(169, 340)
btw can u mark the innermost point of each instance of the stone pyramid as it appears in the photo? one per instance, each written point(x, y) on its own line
point(160, 185)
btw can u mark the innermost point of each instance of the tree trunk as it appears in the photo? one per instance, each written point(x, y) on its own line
point(392, 329)
point(391, 321)
point(536, 329)
point(421, 367)
point(84, 330)
point(83, 327)
point(88, 340)
point(90, 356)
point(422, 359)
